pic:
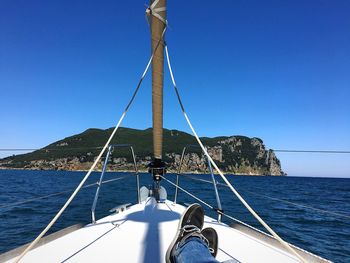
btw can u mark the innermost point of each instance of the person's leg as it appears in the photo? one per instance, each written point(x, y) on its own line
point(191, 221)
point(193, 250)
point(190, 243)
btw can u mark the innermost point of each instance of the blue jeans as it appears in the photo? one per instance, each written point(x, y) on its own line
point(193, 250)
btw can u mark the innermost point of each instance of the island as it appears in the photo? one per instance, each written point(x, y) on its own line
point(233, 154)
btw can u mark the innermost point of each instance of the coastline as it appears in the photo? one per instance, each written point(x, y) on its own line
point(140, 171)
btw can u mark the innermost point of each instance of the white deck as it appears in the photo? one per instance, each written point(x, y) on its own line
point(143, 233)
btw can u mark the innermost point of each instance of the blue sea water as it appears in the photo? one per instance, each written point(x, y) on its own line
point(312, 213)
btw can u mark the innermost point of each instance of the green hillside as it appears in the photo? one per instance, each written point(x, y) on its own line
point(234, 153)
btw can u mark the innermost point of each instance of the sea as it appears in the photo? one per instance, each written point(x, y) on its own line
point(312, 213)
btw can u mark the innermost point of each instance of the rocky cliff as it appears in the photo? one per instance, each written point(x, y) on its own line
point(233, 154)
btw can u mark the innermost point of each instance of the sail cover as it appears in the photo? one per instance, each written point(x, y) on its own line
point(158, 24)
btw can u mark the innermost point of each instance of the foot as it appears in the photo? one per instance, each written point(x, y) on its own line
point(191, 222)
point(212, 240)
point(193, 216)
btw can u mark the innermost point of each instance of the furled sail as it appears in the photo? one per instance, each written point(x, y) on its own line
point(157, 17)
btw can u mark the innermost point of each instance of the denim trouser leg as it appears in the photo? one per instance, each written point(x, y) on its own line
point(194, 250)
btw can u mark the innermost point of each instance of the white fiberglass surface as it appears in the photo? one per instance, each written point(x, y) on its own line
point(143, 233)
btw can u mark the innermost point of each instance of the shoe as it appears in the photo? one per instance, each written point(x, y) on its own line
point(212, 240)
point(191, 223)
point(193, 215)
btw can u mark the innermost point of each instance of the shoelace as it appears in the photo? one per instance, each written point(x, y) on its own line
point(188, 231)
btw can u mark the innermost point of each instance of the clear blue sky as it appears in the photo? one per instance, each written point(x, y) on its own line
point(278, 70)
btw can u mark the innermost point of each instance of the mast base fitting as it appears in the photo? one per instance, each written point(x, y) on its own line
point(157, 168)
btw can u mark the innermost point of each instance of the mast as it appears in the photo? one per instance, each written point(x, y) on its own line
point(158, 20)
point(156, 13)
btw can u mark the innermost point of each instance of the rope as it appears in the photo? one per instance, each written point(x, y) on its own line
point(96, 161)
point(58, 193)
point(250, 209)
point(152, 10)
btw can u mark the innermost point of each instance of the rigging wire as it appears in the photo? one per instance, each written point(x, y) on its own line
point(241, 150)
point(250, 209)
point(226, 215)
point(273, 198)
point(48, 149)
point(57, 193)
point(310, 151)
point(211, 207)
point(32, 244)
